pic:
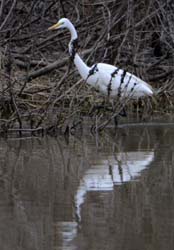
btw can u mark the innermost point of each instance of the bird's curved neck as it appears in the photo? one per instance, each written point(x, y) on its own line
point(73, 47)
point(72, 31)
point(73, 44)
point(81, 66)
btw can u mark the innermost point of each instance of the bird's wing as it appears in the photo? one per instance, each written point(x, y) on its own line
point(118, 82)
point(107, 67)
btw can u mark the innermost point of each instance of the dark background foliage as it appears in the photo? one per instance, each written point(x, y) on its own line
point(135, 35)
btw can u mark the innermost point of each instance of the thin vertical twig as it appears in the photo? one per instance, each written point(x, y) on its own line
point(9, 14)
point(63, 9)
point(1, 8)
point(10, 86)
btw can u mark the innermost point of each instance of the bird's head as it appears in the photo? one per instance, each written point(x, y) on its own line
point(62, 23)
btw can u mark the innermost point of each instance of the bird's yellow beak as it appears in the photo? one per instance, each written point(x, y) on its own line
point(55, 26)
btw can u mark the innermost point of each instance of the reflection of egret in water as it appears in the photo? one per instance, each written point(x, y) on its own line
point(67, 232)
point(107, 170)
point(118, 169)
point(124, 167)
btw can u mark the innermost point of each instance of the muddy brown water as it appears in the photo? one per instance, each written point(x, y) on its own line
point(91, 192)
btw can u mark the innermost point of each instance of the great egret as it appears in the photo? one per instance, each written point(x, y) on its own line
point(108, 79)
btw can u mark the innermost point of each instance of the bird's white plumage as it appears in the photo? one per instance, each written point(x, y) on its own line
point(128, 85)
point(108, 79)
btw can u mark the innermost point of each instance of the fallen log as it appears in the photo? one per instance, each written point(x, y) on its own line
point(47, 69)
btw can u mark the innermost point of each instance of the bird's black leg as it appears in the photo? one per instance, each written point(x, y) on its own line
point(95, 108)
point(100, 108)
point(123, 112)
point(116, 121)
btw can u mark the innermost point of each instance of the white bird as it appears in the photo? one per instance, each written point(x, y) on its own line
point(108, 79)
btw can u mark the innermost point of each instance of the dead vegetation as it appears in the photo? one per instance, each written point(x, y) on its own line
point(40, 89)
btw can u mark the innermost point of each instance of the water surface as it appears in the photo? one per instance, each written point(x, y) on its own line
point(89, 192)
